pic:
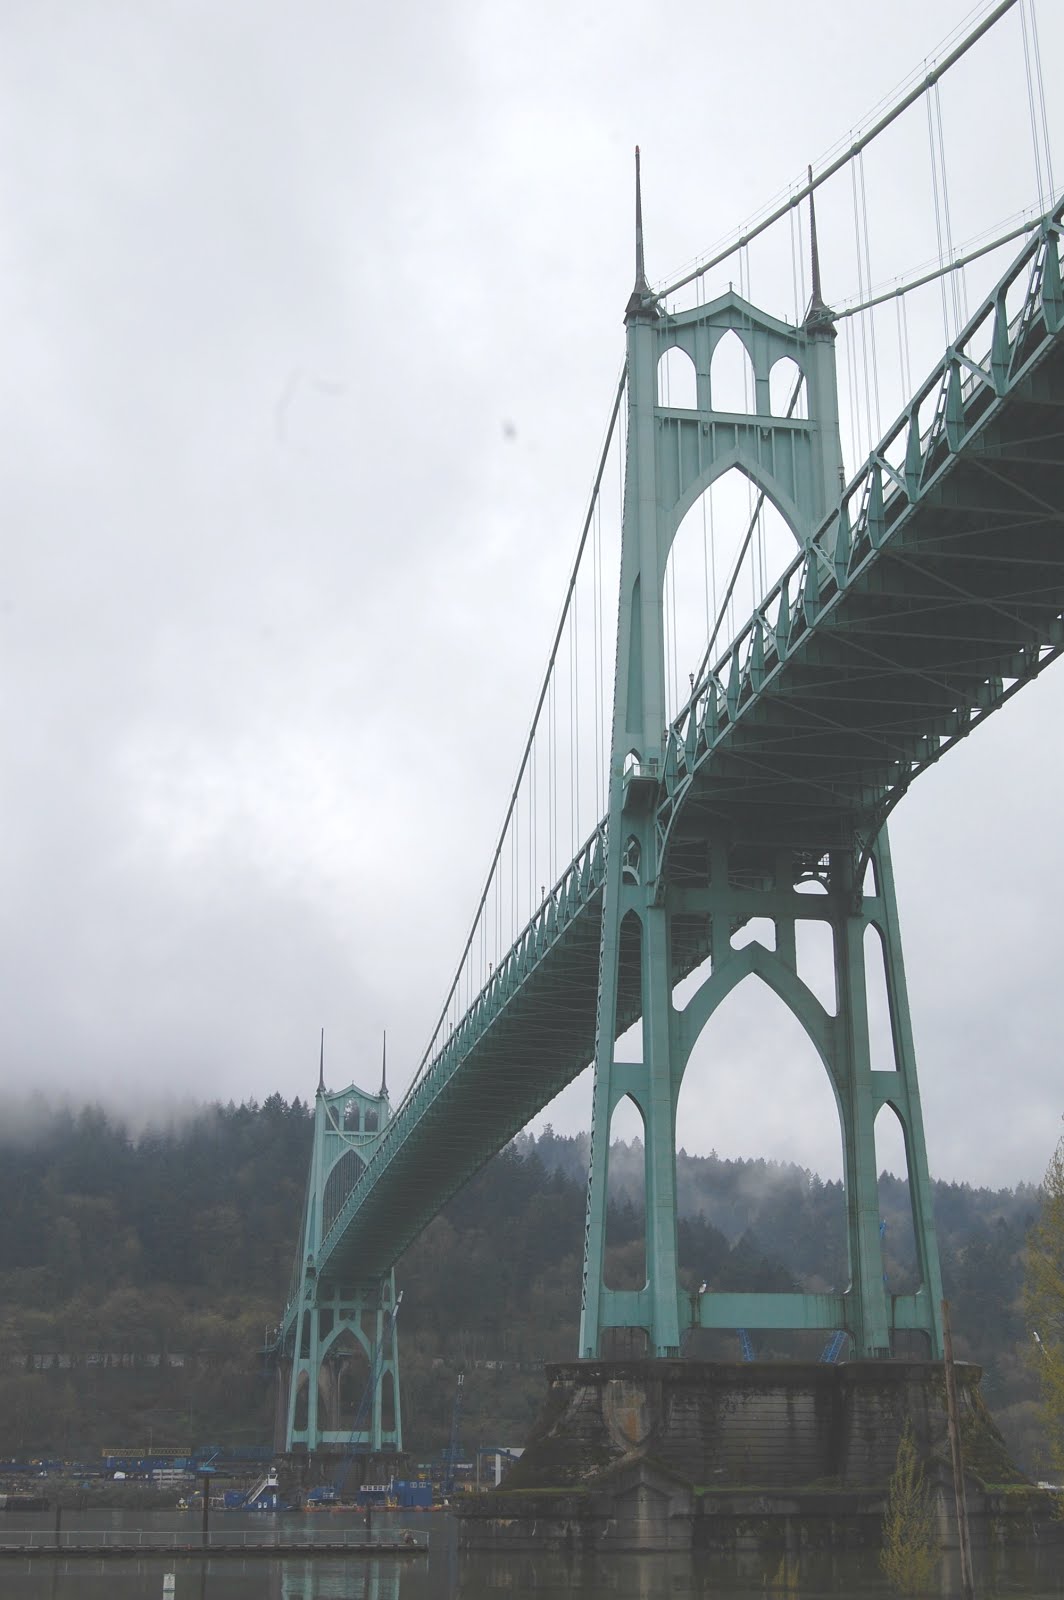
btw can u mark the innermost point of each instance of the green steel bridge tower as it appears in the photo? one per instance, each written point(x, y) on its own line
point(333, 1317)
point(675, 891)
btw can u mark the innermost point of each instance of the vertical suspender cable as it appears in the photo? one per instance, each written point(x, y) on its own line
point(558, 797)
point(794, 273)
point(902, 378)
point(744, 290)
point(1031, 108)
point(867, 441)
point(552, 775)
point(958, 286)
point(596, 562)
point(669, 597)
point(1046, 148)
point(705, 555)
point(849, 334)
point(574, 725)
point(871, 312)
point(712, 547)
point(533, 835)
point(556, 853)
point(859, 330)
point(801, 254)
point(938, 217)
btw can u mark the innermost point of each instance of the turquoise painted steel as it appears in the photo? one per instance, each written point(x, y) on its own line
point(739, 863)
point(919, 601)
point(331, 1315)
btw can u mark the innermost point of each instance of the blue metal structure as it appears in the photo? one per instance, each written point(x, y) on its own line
point(834, 1347)
point(922, 595)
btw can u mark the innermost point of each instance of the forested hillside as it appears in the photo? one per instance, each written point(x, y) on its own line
point(138, 1276)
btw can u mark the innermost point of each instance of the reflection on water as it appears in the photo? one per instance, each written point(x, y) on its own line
point(769, 1577)
point(364, 1579)
point(446, 1576)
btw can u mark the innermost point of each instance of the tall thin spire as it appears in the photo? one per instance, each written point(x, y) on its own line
point(818, 299)
point(641, 302)
point(818, 313)
point(384, 1065)
point(640, 269)
point(321, 1065)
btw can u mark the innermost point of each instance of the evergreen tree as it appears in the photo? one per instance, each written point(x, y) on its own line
point(910, 1546)
point(121, 1252)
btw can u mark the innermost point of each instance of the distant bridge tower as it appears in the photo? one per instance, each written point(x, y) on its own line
point(332, 1317)
point(675, 895)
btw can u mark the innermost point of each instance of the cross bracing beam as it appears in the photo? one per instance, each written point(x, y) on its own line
point(932, 593)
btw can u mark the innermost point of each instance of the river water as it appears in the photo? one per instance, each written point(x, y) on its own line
point(444, 1574)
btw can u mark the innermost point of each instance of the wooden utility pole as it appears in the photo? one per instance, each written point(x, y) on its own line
point(964, 1541)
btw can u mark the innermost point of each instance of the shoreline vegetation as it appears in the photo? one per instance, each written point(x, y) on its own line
point(139, 1276)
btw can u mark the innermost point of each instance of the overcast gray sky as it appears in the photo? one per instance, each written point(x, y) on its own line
point(311, 318)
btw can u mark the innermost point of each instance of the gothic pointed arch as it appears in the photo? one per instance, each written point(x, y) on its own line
point(788, 396)
point(732, 385)
point(720, 557)
point(758, 474)
point(677, 380)
point(755, 1090)
point(755, 960)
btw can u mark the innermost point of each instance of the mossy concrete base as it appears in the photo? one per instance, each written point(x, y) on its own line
point(667, 1455)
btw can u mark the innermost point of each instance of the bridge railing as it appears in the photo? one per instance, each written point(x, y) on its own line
point(995, 349)
point(579, 883)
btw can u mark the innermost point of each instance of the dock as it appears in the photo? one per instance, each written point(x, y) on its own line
point(183, 1546)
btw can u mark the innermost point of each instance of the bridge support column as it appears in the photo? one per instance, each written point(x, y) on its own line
point(314, 1370)
point(857, 1109)
point(905, 1098)
point(641, 952)
point(660, 1133)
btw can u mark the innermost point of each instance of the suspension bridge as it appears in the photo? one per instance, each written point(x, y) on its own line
point(750, 791)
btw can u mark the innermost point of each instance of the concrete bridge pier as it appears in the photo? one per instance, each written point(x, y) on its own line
point(732, 1456)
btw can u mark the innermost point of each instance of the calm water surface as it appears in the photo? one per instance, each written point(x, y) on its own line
point(444, 1575)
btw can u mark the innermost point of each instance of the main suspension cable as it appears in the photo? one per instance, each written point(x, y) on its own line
point(859, 144)
point(937, 272)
